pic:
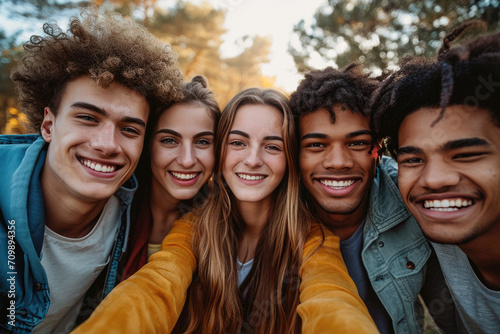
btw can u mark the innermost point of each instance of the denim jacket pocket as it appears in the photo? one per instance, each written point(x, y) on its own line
point(408, 268)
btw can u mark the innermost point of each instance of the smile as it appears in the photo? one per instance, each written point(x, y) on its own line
point(447, 204)
point(250, 177)
point(97, 166)
point(337, 184)
point(184, 176)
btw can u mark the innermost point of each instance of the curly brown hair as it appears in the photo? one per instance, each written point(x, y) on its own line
point(350, 86)
point(104, 46)
point(466, 75)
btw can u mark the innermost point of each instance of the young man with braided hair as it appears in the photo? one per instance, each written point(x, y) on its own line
point(443, 120)
point(353, 191)
point(65, 194)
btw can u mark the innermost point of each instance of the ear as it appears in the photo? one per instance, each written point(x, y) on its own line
point(47, 124)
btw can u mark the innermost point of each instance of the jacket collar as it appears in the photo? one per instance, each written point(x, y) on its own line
point(386, 208)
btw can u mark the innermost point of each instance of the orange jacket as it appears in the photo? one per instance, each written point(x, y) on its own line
point(151, 300)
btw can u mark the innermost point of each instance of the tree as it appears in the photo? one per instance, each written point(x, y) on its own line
point(194, 31)
point(9, 53)
point(380, 32)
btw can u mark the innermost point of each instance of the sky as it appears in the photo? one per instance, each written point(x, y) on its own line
point(273, 18)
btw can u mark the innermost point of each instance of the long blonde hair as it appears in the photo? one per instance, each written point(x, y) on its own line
point(215, 303)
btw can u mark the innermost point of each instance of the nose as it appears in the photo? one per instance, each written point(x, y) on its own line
point(254, 157)
point(104, 140)
point(187, 157)
point(338, 157)
point(437, 174)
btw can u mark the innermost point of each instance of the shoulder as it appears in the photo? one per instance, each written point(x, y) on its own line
point(20, 153)
point(388, 168)
point(10, 144)
point(18, 139)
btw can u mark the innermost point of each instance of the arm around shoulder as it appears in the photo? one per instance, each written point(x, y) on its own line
point(329, 300)
point(151, 300)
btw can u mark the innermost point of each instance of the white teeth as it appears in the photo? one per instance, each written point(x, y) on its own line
point(251, 177)
point(98, 167)
point(183, 176)
point(447, 205)
point(337, 184)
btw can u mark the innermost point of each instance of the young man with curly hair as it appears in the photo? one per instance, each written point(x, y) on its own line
point(353, 191)
point(65, 194)
point(443, 120)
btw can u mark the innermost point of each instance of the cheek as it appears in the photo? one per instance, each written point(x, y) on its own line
point(207, 159)
point(404, 184)
point(280, 167)
point(133, 151)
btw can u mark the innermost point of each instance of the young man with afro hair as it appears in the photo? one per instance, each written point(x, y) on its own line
point(353, 191)
point(65, 194)
point(443, 121)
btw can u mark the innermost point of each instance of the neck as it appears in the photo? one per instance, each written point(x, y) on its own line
point(67, 215)
point(165, 210)
point(255, 216)
point(484, 256)
point(343, 225)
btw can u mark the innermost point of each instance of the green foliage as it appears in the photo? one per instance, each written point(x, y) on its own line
point(380, 32)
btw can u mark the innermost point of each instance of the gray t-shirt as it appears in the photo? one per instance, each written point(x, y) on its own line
point(478, 307)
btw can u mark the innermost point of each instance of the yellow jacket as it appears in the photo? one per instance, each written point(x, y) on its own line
point(151, 300)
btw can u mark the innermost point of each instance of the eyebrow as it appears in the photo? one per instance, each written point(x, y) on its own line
point(466, 142)
point(409, 150)
point(170, 132)
point(448, 146)
point(246, 135)
point(358, 133)
point(316, 135)
point(100, 111)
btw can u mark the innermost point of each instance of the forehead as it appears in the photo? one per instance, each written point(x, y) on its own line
point(116, 99)
point(458, 122)
point(320, 121)
point(185, 115)
point(258, 118)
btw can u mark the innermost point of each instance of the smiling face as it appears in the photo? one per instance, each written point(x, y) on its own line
point(182, 150)
point(449, 174)
point(255, 161)
point(95, 139)
point(335, 165)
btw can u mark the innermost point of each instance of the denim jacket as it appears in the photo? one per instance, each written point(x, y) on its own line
point(399, 260)
point(24, 291)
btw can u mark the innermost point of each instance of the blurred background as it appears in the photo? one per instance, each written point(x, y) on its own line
point(238, 44)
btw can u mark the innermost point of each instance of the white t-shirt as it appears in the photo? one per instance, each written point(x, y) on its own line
point(73, 264)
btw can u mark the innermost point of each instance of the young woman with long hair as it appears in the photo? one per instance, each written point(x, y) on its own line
point(176, 164)
point(253, 255)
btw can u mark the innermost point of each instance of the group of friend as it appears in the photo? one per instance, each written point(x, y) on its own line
point(140, 207)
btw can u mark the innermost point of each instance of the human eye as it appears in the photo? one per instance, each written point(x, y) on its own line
point(168, 141)
point(314, 146)
point(236, 143)
point(203, 142)
point(87, 118)
point(410, 161)
point(359, 143)
point(130, 130)
point(273, 147)
point(468, 156)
